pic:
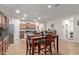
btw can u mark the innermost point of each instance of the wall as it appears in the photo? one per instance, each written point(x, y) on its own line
point(67, 27)
point(76, 28)
point(39, 26)
point(59, 25)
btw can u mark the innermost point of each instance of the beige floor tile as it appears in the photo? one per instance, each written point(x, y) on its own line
point(66, 47)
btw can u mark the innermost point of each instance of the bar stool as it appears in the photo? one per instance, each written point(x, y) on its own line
point(47, 42)
point(29, 46)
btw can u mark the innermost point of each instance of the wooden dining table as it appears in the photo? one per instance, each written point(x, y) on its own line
point(34, 38)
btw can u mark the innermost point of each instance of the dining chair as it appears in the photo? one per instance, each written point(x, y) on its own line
point(53, 41)
point(53, 38)
point(46, 43)
point(29, 46)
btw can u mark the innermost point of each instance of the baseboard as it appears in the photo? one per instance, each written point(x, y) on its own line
point(72, 40)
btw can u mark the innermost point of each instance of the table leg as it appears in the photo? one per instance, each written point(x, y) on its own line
point(27, 47)
point(32, 48)
point(39, 49)
point(57, 45)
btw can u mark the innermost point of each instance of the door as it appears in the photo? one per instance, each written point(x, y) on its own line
point(66, 30)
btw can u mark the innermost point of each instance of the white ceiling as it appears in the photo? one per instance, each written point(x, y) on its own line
point(34, 11)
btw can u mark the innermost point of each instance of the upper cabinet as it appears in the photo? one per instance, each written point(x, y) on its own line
point(22, 26)
point(27, 26)
point(30, 26)
point(6, 20)
point(33, 26)
point(3, 21)
point(0, 21)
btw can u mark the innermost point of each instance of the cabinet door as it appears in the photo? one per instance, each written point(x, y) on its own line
point(33, 26)
point(23, 26)
point(0, 47)
point(28, 25)
point(0, 20)
point(6, 44)
point(22, 34)
point(3, 21)
point(4, 48)
point(6, 20)
point(0, 50)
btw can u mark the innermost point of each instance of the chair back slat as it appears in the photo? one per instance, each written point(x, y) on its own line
point(48, 38)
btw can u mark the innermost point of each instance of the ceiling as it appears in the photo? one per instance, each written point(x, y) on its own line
point(34, 11)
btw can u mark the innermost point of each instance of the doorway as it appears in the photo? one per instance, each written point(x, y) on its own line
point(66, 30)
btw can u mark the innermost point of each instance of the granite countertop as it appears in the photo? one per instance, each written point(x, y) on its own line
point(22, 30)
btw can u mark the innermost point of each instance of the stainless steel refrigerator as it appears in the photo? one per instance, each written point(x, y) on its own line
point(11, 33)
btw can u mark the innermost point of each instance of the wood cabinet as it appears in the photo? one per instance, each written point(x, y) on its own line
point(21, 34)
point(4, 41)
point(26, 26)
point(0, 20)
point(4, 45)
point(33, 26)
point(30, 26)
point(0, 47)
point(22, 26)
point(3, 21)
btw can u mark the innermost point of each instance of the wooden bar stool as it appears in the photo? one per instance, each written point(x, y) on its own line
point(45, 43)
point(29, 46)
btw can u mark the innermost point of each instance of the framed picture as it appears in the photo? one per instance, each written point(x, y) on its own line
point(78, 22)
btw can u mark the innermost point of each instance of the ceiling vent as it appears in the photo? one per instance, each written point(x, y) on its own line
point(57, 5)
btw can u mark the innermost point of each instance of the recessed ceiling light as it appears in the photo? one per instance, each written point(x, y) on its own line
point(39, 18)
point(17, 11)
point(49, 6)
point(25, 15)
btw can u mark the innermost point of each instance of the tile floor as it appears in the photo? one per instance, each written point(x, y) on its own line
point(66, 47)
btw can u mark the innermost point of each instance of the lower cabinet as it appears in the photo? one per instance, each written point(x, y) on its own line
point(21, 34)
point(0, 47)
point(4, 46)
